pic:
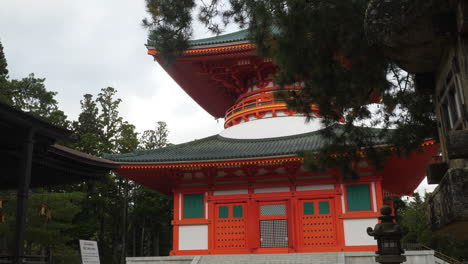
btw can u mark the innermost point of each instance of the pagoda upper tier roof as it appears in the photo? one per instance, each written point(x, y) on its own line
point(220, 148)
point(209, 69)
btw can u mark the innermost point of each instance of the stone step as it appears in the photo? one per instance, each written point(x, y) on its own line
point(296, 258)
point(367, 257)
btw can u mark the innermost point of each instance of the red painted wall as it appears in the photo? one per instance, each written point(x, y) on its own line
point(318, 233)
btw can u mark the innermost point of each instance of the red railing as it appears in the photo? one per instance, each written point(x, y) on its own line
point(255, 101)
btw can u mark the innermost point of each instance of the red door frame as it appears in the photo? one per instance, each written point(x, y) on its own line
point(215, 216)
point(300, 213)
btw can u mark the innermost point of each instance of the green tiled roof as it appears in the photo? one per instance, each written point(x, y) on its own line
point(219, 148)
point(226, 38)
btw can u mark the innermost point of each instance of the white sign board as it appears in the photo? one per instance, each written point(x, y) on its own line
point(89, 252)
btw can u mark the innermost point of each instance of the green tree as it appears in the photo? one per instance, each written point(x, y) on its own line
point(323, 44)
point(97, 131)
point(89, 210)
point(151, 212)
point(3, 64)
point(107, 210)
point(50, 217)
point(157, 138)
point(150, 218)
point(4, 96)
point(109, 118)
point(87, 129)
point(30, 95)
point(110, 204)
point(415, 222)
point(127, 138)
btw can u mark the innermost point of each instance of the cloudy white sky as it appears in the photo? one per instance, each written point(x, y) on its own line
point(83, 46)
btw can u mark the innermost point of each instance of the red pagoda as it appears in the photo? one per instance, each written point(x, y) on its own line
point(245, 190)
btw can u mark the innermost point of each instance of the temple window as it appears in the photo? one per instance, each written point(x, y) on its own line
point(358, 196)
point(237, 211)
point(324, 207)
point(308, 208)
point(223, 212)
point(273, 209)
point(451, 106)
point(193, 205)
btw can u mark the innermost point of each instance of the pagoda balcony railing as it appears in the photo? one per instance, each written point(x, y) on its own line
point(258, 105)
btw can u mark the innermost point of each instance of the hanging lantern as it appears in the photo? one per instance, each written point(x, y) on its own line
point(49, 213)
point(42, 210)
point(45, 211)
point(3, 203)
point(2, 214)
point(388, 235)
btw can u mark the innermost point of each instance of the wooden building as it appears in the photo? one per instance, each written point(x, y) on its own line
point(245, 191)
point(31, 158)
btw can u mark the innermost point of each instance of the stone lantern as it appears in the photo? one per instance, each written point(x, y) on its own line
point(388, 235)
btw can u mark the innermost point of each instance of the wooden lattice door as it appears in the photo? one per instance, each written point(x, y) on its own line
point(318, 224)
point(273, 225)
point(230, 226)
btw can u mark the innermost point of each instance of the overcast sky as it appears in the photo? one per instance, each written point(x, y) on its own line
point(83, 46)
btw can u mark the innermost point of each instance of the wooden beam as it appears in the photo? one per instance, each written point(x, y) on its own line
point(435, 172)
point(424, 82)
point(22, 195)
point(462, 17)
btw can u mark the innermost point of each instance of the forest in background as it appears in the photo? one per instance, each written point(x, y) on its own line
point(127, 219)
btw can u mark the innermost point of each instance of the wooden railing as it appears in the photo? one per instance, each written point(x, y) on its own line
point(446, 258)
point(437, 254)
point(261, 99)
point(28, 259)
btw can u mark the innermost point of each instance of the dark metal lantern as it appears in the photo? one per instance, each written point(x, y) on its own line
point(388, 235)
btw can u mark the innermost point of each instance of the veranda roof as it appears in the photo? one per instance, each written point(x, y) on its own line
point(401, 174)
point(51, 163)
point(238, 36)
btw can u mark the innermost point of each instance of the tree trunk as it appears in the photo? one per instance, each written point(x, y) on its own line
point(142, 245)
point(134, 242)
point(156, 243)
point(124, 222)
point(28, 247)
point(101, 229)
point(3, 245)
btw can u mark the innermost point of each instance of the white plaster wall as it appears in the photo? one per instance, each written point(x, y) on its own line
point(272, 189)
point(272, 127)
point(193, 237)
point(315, 187)
point(355, 231)
point(229, 192)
